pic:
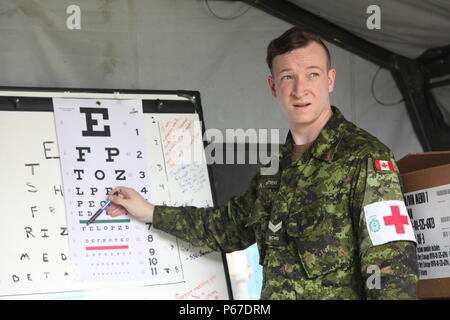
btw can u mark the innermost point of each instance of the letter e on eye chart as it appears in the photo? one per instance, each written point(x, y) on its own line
point(101, 146)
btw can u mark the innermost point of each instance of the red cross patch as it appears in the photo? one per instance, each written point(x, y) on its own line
point(396, 219)
point(388, 221)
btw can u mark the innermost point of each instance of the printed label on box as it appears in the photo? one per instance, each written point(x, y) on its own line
point(429, 210)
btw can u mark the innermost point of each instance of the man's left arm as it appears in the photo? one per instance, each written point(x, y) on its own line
point(387, 246)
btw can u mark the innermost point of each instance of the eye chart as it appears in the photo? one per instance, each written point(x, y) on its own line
point(47, 250)
point(101, 145)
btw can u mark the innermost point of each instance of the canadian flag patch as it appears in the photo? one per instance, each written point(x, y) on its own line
point(388, 221)
point(384, 165)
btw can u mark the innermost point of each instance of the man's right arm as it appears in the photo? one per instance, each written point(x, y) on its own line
point(221, 228)
point(218, 228)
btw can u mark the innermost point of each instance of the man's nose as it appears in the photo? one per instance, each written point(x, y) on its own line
point(299, 89)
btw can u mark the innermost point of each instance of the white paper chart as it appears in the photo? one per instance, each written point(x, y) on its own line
point(101, 144)
point(44, 223)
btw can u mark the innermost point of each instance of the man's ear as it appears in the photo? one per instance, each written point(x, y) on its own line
point(331, 76)
point(271, 83)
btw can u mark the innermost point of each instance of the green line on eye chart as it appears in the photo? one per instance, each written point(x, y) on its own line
point(107, 221)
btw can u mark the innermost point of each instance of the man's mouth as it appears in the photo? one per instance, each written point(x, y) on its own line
point(302, 105)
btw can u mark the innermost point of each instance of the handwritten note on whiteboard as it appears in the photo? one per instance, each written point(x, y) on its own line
point(186, 170)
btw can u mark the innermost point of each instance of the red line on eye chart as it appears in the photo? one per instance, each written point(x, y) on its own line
point(107, 248)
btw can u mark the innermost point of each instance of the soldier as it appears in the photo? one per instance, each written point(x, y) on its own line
point(331, 223)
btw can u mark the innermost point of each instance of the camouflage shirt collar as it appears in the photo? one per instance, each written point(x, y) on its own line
point(326, 143)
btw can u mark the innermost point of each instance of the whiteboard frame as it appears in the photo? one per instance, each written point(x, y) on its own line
point(39, 99)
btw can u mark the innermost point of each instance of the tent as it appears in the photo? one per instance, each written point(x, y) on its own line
point(181, 44)
point(393, 74)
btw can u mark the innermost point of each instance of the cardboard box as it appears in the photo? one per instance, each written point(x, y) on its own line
point(426, 182)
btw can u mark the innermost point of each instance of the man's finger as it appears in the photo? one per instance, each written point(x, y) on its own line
point(117, 199)
point(120, 191)
point(117, 212)
point(111, 208)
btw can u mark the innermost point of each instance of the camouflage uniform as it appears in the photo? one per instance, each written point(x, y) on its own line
point(317, 246)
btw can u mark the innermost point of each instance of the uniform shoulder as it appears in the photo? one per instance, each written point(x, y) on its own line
point(362, 143)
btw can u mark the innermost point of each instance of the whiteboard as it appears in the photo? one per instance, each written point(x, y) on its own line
point(34, 234)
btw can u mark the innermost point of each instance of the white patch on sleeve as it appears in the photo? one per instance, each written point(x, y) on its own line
point(388, 221)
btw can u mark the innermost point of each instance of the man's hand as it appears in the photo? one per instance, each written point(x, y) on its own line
point(130, 201)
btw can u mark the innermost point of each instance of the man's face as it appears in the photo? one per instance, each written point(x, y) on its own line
point(301, 83)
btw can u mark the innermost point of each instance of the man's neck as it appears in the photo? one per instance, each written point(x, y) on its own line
point(306, 133)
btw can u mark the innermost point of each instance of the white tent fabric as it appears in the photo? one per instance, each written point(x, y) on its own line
point(408, 27)
point(179, 44)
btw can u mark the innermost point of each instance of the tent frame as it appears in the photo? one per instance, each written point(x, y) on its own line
point(413, 76)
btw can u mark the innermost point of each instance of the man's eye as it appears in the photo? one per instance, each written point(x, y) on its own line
point(313, 75)
point(287, 77)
